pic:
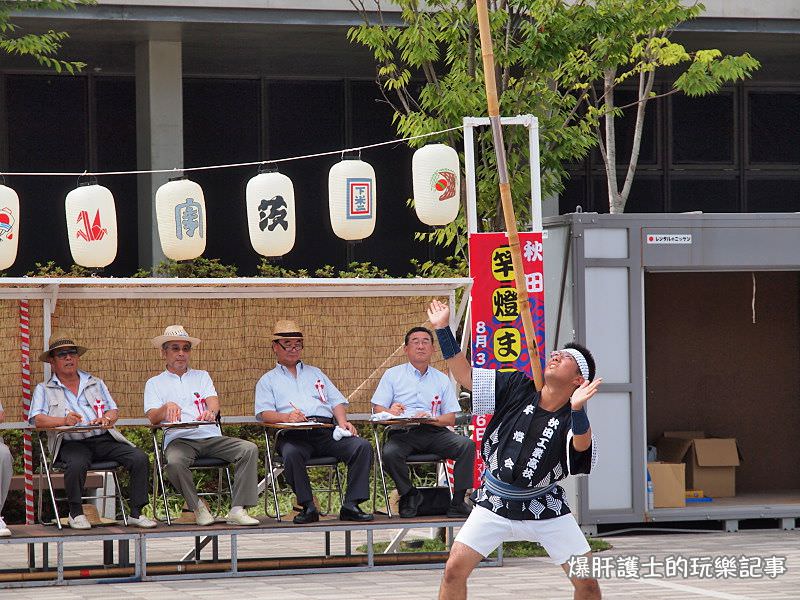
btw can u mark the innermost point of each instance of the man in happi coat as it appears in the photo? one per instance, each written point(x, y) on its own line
point(534, 440)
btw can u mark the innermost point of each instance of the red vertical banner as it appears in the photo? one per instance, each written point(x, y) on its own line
point(498, 339)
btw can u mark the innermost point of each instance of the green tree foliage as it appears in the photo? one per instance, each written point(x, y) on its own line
point(42, 47)
point(198, 267)
point(560, 60)
point(51, 269)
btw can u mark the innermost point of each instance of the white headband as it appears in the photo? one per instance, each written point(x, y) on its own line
point(583, 366)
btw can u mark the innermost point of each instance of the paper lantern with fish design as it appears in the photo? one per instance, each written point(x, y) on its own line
point(9, 226)
point(436, 177)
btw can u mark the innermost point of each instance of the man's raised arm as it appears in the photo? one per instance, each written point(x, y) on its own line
point(439, 316)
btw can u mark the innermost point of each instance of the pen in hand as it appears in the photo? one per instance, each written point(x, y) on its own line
point(297, 415)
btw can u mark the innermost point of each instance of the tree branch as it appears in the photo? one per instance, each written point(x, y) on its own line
point(645, 85)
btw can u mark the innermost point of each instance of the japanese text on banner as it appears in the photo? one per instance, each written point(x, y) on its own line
point(498, 339)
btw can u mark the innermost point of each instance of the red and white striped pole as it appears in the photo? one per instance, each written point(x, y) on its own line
point(449, 465)
point(27, 444)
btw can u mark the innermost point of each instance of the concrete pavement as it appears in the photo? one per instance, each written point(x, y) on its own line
point(730, 566)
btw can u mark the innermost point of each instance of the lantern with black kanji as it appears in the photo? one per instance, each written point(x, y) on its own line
point(181, 216)
point(270, 213)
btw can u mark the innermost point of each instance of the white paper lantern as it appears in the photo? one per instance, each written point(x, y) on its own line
point(270, 213)
point(181, 216)
point(91, 225)
point(437, 184)
point(9, 226)
point(351, 199)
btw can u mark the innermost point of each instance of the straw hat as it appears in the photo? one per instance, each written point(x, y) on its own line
point(62, 339)
point(174, 333)
point(94, 518)
point(287, 330)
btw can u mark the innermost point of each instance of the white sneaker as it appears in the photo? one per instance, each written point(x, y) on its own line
point(202, 516)
point(141, 521)
point(4, 530)
point(79, 522)
point(240, 517)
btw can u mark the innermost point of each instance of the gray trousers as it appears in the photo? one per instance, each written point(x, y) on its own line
point(182, 453)
point(6, 470)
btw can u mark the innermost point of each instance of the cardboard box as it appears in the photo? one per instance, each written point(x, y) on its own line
point(710, 462)
point(669, 489)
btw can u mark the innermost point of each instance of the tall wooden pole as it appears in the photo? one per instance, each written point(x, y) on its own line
point(490, 80)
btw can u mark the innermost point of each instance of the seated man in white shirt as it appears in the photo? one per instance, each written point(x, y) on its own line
point(181, 394)
point(294, 392)
point(75, 397)
point(6, 470)
point(416, 389)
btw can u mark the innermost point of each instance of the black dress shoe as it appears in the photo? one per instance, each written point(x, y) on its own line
point(354, 513)
point(459, 511)
point(309, 514)
point(409, 503)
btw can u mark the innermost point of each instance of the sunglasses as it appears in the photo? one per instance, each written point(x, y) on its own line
point(65, 353)
point(289, 346)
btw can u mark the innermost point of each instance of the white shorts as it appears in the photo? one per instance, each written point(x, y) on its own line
point(560, 537)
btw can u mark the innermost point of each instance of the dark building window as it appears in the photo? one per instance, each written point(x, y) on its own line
point(574, 194)
point(773, 128)
point(306, 117)
point(712, 145)
point(773, 195)
point(706, 195)
point(221, 125)
point(115, 131)
point(396, 222)
point(41, 139)
point(703, 129)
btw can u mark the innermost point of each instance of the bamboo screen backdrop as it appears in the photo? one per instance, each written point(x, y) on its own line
point(352, 339)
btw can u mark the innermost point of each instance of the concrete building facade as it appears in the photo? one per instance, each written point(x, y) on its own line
point(173, 84)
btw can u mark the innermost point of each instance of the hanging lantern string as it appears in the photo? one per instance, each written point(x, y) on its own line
point(242, 164)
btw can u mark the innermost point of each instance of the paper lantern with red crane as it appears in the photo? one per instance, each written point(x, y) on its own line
point(91, 225)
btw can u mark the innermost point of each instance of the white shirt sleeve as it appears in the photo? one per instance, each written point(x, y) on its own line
point(384, 394)
point(207, 386)
point(449, 400)
point(265, 397)
point(151, 398)
point(335, 397)
point(38, 404)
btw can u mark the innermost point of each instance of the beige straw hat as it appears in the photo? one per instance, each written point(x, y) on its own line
point(174, 333)
point(287, 330)
point(61, 340)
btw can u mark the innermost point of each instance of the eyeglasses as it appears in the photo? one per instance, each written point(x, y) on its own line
point(65, 353)
point(177, 348)
point(289, 346)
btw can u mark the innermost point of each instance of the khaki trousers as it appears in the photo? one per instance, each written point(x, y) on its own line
point(182, 453)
